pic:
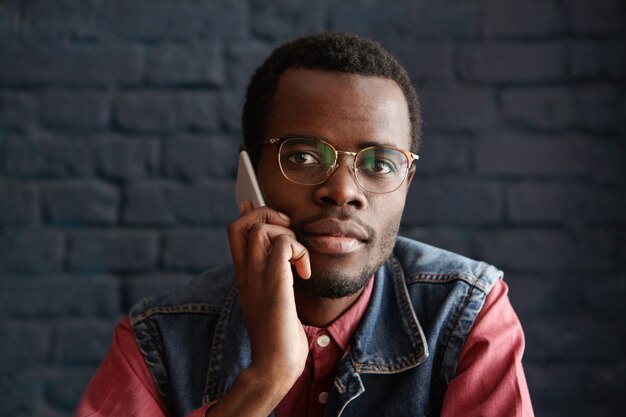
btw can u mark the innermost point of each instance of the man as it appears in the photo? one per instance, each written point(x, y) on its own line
point(326, 311)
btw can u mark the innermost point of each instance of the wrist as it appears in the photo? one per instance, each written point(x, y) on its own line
point(272, 386)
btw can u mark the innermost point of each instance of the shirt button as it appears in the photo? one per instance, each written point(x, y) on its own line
point(323, 397)
point(323, 340)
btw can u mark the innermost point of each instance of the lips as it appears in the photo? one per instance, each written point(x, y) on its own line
point(334, 237)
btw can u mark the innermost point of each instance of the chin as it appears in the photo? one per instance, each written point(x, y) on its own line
point(335, 282)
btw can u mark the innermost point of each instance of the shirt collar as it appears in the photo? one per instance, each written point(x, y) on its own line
point(343, 328)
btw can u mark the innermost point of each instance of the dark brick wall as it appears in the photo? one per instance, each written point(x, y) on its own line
point(111, 111)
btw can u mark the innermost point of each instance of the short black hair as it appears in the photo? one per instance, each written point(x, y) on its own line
point(328, 51)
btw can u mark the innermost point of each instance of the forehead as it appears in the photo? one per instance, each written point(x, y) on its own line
point(348, 110)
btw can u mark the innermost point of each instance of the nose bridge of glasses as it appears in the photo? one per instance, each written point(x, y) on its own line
point(350, 166)
point(347, 154)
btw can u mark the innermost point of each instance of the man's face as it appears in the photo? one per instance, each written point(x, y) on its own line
point(349, 232)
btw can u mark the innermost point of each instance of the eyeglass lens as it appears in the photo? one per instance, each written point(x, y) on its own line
point(310, 161)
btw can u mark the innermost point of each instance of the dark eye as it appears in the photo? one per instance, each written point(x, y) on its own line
point(302, 158)
point(379, 167)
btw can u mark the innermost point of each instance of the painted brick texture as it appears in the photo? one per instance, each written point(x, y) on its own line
point(119, 130)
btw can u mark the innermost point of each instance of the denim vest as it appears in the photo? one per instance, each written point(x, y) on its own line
point(399, 363)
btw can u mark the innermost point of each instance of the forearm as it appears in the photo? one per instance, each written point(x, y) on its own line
point(252, 395)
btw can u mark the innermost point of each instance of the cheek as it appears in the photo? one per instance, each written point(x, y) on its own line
point(386, 215)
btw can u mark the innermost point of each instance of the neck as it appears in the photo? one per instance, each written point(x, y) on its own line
point(320, 312)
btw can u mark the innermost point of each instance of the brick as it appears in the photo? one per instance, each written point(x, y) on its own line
point(168, 203)
point(52, 296)
point(139, 286)
point(387, 22)
point(603, 107)
point(598, 17)
point(286, 18)
point(426, 60)
point(33, 62)
point(605, 159)
point(231, 103)
point(571, 387)
point(513, 154)
point(564, 338)
point(604, 249)
point(614, 59)
point(526, 250)
point(81, 342)
point(62, 17)
point(201, 157)
point(149, 203)
point(87, 203)
point(213, 203)
point(605, 205)
point(457, 108)
point(533, 18)
point(9, 16)
point(167, 111)
point(185, 64)
point(195, 249)
point(585, 59)
point(543, 108)
point(117, 250)
point(605, 296)
point(457, 201)
point(534, 297)
point(156, 20)
point(512, 62)
point(121, 159)
point(445, 154)
point(62, 388)
point(598, 59)
point(21, 392)
point(454, 240)
point(46, 158)
point(243, 58)
point(31, 251)
point(549, 250)
point(33, 341)
point(74, 109)
point(16, 110)
point(18, 203)
point(545, 202)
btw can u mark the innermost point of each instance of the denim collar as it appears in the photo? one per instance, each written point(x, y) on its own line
point(389, 338)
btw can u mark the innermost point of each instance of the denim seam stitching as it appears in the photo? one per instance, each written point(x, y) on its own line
point(216, 347)
point(406, 363)
point(473, 285)
point(158, 371)
point(182, 309)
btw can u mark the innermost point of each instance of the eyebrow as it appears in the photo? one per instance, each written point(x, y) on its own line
point(362, 145)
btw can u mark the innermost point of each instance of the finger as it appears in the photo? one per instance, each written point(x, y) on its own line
point(286, 251)
point(245, 206)
point(300, 259)
point(238, 230)
point(261, 241)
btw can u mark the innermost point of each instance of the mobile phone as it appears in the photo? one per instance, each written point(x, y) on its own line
point(247, 186)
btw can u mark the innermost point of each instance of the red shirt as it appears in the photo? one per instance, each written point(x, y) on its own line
point(490, 380)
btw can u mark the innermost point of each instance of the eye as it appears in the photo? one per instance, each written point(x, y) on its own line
point(379, 167)
point(302, 158)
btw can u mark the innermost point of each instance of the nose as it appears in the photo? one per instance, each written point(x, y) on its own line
point(341, 188)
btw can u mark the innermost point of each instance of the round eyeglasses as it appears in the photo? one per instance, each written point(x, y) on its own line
point(311, 161)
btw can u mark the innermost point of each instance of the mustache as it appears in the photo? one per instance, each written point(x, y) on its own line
point(337, 214)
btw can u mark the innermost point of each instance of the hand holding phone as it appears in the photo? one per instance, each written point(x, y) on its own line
point(246, 186)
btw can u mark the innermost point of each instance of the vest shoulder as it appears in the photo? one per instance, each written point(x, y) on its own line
point(421, 262)
point(204, 293)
